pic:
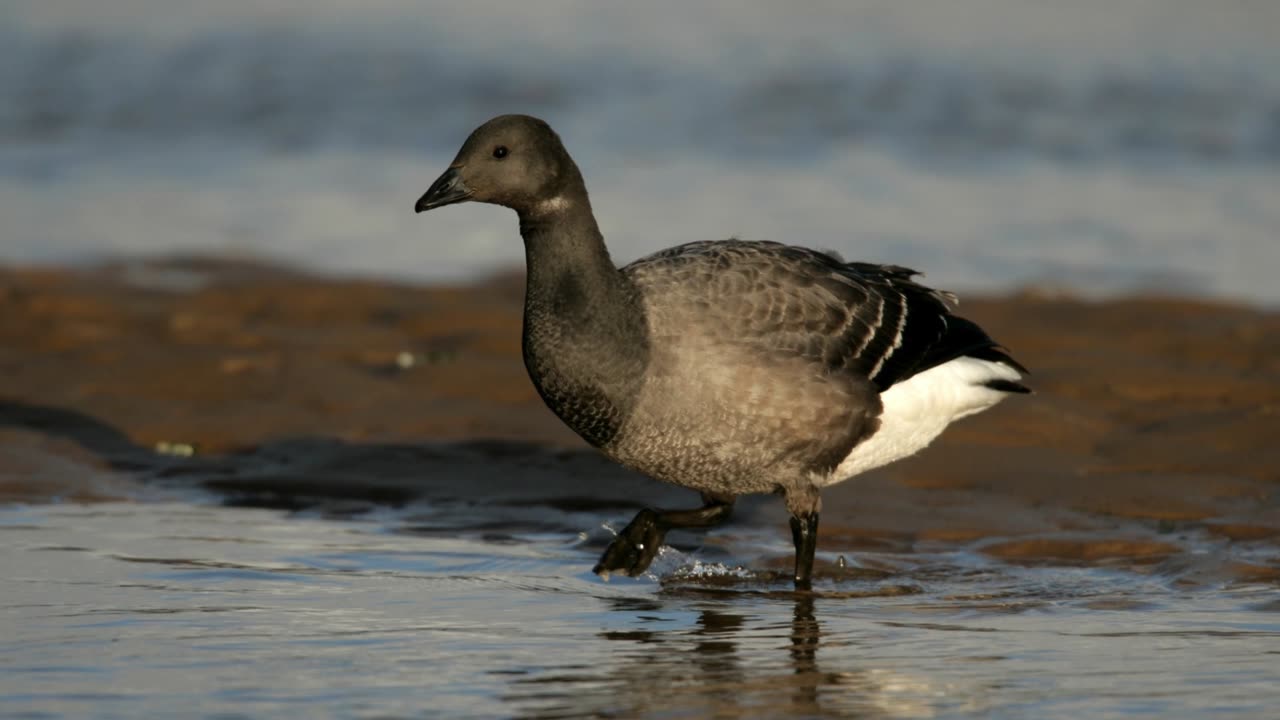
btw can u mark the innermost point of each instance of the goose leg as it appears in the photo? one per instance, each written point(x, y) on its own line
point(804, 532)
point(804, 503)
point(637, 545)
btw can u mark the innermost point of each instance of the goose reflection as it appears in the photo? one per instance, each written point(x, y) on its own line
point(729, 653)
point(692, 654)
point(806, 634)
point(730, 659)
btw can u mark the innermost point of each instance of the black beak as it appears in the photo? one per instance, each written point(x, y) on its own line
point(446, 190)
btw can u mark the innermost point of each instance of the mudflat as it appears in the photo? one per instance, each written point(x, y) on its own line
point(1155, 419)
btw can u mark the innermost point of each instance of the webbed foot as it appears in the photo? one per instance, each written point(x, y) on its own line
point(635, 547)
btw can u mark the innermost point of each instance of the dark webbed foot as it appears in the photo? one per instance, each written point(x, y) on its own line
point(637, 545)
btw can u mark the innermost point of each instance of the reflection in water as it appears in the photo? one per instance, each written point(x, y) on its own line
point(806, 634)
point(721, 663)
point(251, 613)
point(715, 653)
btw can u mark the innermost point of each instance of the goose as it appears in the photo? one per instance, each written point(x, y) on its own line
point(728, 367)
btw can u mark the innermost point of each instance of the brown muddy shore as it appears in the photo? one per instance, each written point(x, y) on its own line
point(1155, 420)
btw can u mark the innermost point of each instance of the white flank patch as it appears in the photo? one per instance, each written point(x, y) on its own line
point(918, 410)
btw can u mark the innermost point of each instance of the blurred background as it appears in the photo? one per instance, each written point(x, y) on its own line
point(1094, 146)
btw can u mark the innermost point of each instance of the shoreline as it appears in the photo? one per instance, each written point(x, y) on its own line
point(1154, 419)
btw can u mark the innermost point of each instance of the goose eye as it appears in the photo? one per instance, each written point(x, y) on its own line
point(500, 152)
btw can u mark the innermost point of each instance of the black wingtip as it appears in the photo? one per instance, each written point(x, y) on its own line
point(1008, 386)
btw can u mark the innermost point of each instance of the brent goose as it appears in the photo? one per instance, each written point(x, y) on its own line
point(728, 367)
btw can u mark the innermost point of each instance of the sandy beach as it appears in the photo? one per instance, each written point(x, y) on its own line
point(1154, 419)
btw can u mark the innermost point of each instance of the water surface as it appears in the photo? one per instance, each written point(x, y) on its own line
point(993, 143)
point(181, 609)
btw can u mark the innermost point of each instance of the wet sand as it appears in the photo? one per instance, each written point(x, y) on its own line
point(1156, 420)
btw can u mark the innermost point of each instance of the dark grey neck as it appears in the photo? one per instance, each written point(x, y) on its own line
point(585, 342)
point(565, 242)
point(570, 275)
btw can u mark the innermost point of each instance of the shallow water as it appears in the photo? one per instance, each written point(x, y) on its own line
point(992, 143)
point(182, 608)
